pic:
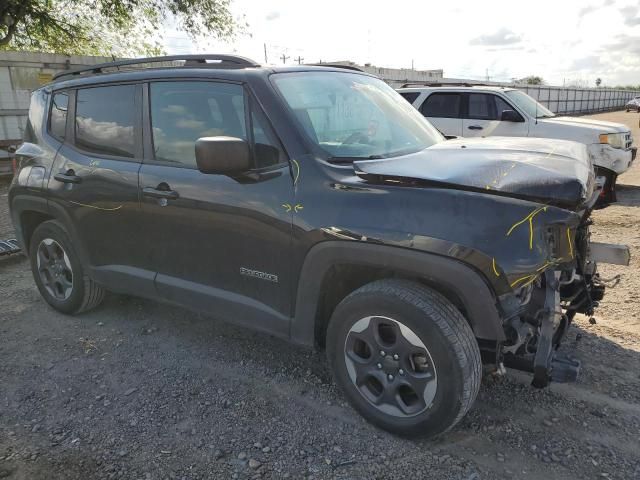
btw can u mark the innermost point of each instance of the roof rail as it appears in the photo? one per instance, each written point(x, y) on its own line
point(335, 65)
point(450, 84)
point(198, 61)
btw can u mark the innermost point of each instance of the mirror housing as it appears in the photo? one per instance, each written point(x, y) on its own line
point(222, 155)
point(511, 116)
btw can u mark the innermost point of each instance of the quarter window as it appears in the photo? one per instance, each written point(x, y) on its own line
point(410, 96)
point(442, 105)
point(105, 119)
point(58, 121)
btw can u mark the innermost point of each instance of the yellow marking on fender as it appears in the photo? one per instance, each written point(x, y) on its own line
point(529, 218)
point(495, 270)
point(287, 207)
point(298, 207)
point(97, 208)
point(570, 243)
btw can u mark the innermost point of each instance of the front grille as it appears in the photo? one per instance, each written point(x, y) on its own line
point(628, 140)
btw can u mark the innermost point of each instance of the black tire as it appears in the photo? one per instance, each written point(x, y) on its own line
point(442, 329)
point(84, 293)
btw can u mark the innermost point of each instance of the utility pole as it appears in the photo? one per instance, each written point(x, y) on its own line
point(266, 62)
point(299, 60)
point(284, 58)
point(412, 64)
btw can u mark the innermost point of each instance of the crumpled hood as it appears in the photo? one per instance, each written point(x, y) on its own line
point(555, 172)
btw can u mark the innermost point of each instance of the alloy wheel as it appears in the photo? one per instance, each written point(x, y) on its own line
point(54, 269)
point(390, 366)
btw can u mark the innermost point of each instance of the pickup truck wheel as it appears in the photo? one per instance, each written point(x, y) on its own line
point(58, 272)
point(405, 357)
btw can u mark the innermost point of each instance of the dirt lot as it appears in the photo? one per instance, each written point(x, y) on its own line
point(138, 390)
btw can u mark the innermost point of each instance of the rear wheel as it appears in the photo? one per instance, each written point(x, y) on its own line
point(405, 357)
point(58, 272)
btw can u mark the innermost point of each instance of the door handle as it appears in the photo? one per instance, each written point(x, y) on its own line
point(68, 177)
point(160, 192)
point(474, 127)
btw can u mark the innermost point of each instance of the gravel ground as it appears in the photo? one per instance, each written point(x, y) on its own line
point(139, 390)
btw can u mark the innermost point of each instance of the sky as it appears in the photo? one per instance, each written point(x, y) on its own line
point(563, 41)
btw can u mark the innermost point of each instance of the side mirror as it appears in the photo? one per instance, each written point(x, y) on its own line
point(511, 116)
point(222, 155)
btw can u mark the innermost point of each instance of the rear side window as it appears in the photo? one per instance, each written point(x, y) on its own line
point(58, 119)
point(442, 105)
point(410, 96)
point(481, 107)
point(105, 120)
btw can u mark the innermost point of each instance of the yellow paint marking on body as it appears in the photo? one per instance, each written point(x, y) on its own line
point(495, 270)
point(570, 243)
point(105, 209)
point(297, 174)
point(527, 279)
point(529, 218)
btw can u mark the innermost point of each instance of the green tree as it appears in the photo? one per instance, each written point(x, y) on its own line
point(532, 80)
point(107, 27)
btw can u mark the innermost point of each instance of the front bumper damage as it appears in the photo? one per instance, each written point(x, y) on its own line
point(534, 340)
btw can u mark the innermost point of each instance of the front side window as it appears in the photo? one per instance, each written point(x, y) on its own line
point(353, 116)
point(58, 122)
point(527, 104)
point(105, 120)
point(183, 112)
point(442, 105)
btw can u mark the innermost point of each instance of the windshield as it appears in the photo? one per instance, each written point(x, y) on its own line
point(352, 116)
point(529, 105)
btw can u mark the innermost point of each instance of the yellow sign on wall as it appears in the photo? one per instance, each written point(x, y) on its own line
point(44, 77)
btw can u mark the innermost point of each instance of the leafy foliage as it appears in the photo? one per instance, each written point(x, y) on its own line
point(532, 80)
point(107, 27)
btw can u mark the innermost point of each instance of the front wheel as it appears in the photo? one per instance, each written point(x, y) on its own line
point(59, 273)
point(405, 357)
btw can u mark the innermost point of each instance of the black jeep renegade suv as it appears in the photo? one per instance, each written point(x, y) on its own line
point(317, 205)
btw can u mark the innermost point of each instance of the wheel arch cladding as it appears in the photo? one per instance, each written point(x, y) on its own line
point(320, 277)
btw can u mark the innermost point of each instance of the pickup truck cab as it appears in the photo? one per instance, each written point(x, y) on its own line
point(483, 111)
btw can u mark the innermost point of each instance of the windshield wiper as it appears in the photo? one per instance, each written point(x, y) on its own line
point(353, 159)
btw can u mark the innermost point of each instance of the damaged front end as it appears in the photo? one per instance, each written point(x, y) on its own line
point(540, 313)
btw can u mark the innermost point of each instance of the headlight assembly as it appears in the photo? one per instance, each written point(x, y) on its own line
point(616, 140)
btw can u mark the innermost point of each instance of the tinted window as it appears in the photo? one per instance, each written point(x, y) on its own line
point(59, 104)
point(480, 106)
point(410, 96)
point(182, 112)
point(105, 119)
point(442, 105)
point(267, 146)
point(501, 106)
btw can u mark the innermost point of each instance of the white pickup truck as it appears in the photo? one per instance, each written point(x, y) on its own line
point(482, 111)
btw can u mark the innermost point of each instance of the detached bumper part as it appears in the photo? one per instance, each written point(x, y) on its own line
point(609, 253)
